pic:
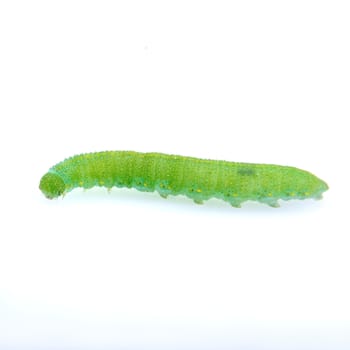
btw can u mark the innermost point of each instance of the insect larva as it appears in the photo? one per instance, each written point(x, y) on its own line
point(198, 179)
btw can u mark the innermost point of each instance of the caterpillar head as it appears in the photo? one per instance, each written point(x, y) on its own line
point(52, 185)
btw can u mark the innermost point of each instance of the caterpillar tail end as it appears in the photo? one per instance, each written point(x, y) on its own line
point(323, 187)
point(52, 185)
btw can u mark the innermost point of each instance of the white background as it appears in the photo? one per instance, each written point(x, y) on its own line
point(253, 81)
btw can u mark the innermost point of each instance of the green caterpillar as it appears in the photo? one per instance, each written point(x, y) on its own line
point(198, 179)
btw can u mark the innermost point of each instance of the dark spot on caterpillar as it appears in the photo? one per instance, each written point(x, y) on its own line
point(246, 171)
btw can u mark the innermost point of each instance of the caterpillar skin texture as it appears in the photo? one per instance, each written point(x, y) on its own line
point(198, 179)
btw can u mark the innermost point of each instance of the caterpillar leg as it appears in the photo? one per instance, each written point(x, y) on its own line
point(271, 202)
point(163, 188)
point(235, 203)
